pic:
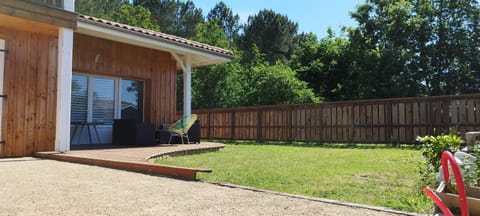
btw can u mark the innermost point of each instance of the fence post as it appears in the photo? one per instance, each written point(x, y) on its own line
point(353, 132)
point(233, 125)
point(388, 117)
point(431, 114)
point(259, 126)
point(209, 124)
point(290, 127)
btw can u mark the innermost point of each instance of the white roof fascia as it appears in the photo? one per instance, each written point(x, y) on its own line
point(130, 37)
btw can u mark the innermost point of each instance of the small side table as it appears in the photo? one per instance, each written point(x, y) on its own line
point(88, 125)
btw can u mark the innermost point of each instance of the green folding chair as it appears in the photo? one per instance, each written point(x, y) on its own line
point(180, 128)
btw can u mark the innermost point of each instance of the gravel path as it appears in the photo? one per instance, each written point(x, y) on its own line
point(30, 186)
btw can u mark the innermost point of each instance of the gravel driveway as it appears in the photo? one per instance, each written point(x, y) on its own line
point(30, 186)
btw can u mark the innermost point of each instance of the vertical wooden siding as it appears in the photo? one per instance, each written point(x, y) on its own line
point(370, 121)
point(30, 82)
point(158, 70)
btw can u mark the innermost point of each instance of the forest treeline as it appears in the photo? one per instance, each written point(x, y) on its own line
point(400, 48)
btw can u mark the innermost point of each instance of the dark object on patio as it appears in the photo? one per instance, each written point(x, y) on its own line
point(181, 127)
point(130, 132)
point(162, 136)
point(194, 132)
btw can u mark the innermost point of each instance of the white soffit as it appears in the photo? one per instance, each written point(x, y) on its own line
point(199, 57)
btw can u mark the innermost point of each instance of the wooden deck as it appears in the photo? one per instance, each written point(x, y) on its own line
point(137, 159)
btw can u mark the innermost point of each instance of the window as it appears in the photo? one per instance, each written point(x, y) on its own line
point(132, 100)
point(97, 99)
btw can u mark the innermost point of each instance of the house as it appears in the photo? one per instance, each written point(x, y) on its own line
point(58, 67)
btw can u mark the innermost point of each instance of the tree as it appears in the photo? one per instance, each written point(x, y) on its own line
point(274, 35)
point(380, 44)
point(217, 86)
point(275, 84)
point(455, 28)
point(266, 84)
point(326, 66)
point(225, 19)
point(417, 47)
point(173, 16)
point(135, 16)
point(99, 8)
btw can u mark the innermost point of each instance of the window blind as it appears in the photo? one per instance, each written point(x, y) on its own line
point(103, 95)
point(79, 108)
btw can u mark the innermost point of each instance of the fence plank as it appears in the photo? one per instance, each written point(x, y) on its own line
point(356, 123)
point(409, 137)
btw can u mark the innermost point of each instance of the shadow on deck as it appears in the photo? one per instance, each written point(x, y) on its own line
point(137, 159)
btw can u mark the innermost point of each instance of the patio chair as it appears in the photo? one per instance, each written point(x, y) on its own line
point(180, 128)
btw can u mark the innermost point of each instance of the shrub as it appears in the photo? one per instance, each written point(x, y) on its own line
point(471, 169)
point(432, 148)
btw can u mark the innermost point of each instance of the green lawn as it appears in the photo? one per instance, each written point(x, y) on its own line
point(375, 176)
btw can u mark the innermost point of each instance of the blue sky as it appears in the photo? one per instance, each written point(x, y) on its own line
point(312, 15)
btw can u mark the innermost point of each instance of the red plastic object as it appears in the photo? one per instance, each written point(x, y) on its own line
point(447, 158)
point(446, 211)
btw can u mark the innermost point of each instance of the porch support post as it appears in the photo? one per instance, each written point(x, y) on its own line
point(64, 88)
point(187, 87)
point(186, 64)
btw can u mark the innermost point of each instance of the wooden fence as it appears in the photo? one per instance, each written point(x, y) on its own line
point(368, 121)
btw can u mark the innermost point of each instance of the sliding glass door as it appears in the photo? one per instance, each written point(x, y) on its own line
point(97, 101)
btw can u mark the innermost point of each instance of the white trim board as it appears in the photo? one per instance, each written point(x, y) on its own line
point(64, 89)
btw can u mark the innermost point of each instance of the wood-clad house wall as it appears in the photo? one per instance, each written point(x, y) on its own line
point(109, 58)
point(30, 83)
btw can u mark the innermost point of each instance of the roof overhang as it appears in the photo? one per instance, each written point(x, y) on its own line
point(39, 13)
point(198, 57)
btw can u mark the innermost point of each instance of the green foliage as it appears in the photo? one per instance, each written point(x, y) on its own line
point(275, 84)
point(326, 66)
point(233, 84)
point(135, 16)
point(381, 177)
point(380, 46)
point(211, 33)
point(471, 168)
point(433, 147)
point(173, 16)
point(99, 8)
point(274, 35)
point(217, 86)
point(258, 83)
point(416, 47)
point(225, 18)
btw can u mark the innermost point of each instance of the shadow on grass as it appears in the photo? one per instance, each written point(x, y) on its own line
point(326, 145)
